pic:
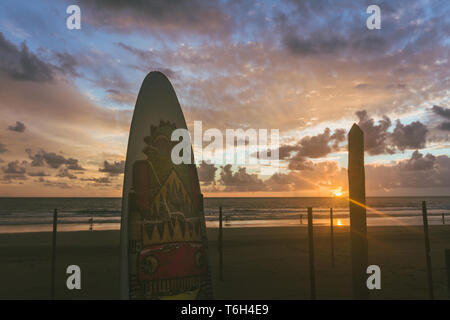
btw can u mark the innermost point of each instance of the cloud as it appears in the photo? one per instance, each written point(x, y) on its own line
point(206, 173)
point(114, 168)
point(443, 126)
point(64, 173)
point(14, 171)
point(379, 140)
point(418, 162)
point(54, 184)
point(38, 174)
point(3, 148)
point(240, 180)
point(195, 16)
point(419, 171)
point(98, 181)
point(322, 174)
point(317, 146)
point(21, 64)
point(18, 127)
point(411, 136)
point(51, 99)
point(53, 160)
point(14, 167)
point(376, 136)
point(288, 182)
point(443, 112)
point(317, 44)
point(67, 63)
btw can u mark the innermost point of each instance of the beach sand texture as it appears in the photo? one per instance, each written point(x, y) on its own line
point(259, 263)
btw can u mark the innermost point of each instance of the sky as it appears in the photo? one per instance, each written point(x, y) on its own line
point(307, 68)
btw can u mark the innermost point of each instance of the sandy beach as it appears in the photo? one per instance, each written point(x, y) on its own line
point(259, 263)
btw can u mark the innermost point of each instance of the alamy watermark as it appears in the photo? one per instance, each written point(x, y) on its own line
point(74, 20)
point(374, 20)
point(236, 147)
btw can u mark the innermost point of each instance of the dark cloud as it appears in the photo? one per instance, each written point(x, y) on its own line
point(443, 112)
point(418, 162)
point(14, 171)
point(240, 180)
point(3, 148)
point(37, 160)
point(198, 16)
point(55, 184)
point(18, 127)
point(14, 168)
point(299, 162)
point(317, 146)
point(443, 126)
point(341, 28)
point(379, 140)
point(411, 136)
point(114, 168)
point(21, 64)
point(67, 63)
point(38, 174)
point(206, 173)
point(317, 44)
point(327, 41)
point(53, 160)
point(419, 171)
point(376, 136)
point(64, 173)
point(101, 180)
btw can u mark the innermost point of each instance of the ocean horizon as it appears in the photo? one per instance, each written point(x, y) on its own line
point(35, 214)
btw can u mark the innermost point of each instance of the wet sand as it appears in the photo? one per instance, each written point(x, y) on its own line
point(259, 263)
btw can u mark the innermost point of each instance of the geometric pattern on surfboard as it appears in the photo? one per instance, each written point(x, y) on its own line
point(167, 253)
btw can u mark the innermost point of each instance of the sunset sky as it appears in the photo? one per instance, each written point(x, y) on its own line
point(308, 68)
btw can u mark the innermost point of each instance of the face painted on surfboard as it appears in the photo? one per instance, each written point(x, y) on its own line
point(167, 257)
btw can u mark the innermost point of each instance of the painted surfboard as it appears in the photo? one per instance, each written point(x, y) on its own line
point(163, 236)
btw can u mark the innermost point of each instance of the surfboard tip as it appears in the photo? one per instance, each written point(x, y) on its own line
point(156, 75)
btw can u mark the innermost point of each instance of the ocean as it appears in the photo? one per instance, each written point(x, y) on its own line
point(74, 214)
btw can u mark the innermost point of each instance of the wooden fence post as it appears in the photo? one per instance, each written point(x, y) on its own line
point(357, 203)
point(220, 245)
point(427, 250)
point(447, 264)
point(332, 237)
point(53, 275)
point(312, 272)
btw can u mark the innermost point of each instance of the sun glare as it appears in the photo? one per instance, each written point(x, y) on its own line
point(339, 222)
point(337, 192)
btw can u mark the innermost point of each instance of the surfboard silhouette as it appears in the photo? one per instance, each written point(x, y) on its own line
point(163, 236)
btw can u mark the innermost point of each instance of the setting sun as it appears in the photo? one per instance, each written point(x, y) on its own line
point(339, 222)
point(337, 192)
